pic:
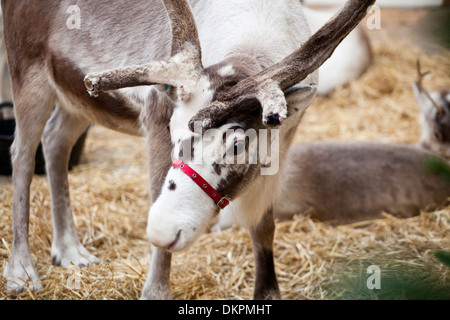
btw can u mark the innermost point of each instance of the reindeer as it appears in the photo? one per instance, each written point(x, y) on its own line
point(5, 90)
point(237, 64)
point(434, 116)
point(350, 181)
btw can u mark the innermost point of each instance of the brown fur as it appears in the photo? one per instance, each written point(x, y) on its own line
point(155, 118)
point(47, 62)
point(112, 111)
point(26, 40)
point(266, 279)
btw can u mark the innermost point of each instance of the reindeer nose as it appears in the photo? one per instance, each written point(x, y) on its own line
point(273, 120)
point(165, 244)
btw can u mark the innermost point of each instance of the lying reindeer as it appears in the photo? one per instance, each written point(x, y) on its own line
point(357, 181)
point(345, 182)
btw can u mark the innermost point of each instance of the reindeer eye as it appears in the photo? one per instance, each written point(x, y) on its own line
point(239, 147)
point(236, 149)
point(230, 84)
point(438, 136)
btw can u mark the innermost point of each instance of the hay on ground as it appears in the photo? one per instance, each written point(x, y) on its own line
point(313, 260)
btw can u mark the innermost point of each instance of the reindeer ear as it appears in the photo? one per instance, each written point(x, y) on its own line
point(298, 98)
point(156, 114)
point(422, 101)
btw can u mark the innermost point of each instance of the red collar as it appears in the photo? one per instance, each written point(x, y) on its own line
point(220, 201)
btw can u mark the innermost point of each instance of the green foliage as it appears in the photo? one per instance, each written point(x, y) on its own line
point(438, 166)
point(401, 281)
point(443, 257)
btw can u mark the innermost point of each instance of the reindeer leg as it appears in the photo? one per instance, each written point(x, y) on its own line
point(34, 102)
point(266, 284)
point(155, 120)
point(157, 285)
point(60, 135)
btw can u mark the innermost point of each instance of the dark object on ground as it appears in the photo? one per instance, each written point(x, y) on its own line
point(7, 127)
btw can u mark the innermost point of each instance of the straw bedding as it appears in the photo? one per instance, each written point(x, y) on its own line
point(313, 260)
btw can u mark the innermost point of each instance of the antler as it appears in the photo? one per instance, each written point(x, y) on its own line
point(183, 69)
point(184, 29)
point(420, 87)
point(268, 86)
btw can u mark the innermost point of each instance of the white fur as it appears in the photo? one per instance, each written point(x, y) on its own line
point(173, 209)
point(427, 114)
point(188, 207)
point(174, 212)
point(184, 111)
point(269, 31)
point(226, 71)
point(272, 28)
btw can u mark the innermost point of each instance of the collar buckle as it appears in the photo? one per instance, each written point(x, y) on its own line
point(223, 203)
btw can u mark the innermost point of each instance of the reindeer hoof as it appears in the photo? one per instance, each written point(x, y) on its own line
point(156, 292)
point(66, 256)
point(21, 276)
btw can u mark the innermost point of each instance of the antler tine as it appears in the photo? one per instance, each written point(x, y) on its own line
point(319, 47)
point(419, 82)
point(420, 75)
point(268, 86)
point(133, 76)
point(185, 46)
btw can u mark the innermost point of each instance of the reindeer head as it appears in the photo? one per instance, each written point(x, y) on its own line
point(434, 116)
point(224, 116)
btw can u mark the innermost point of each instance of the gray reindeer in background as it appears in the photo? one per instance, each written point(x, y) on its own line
point(352, 181)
